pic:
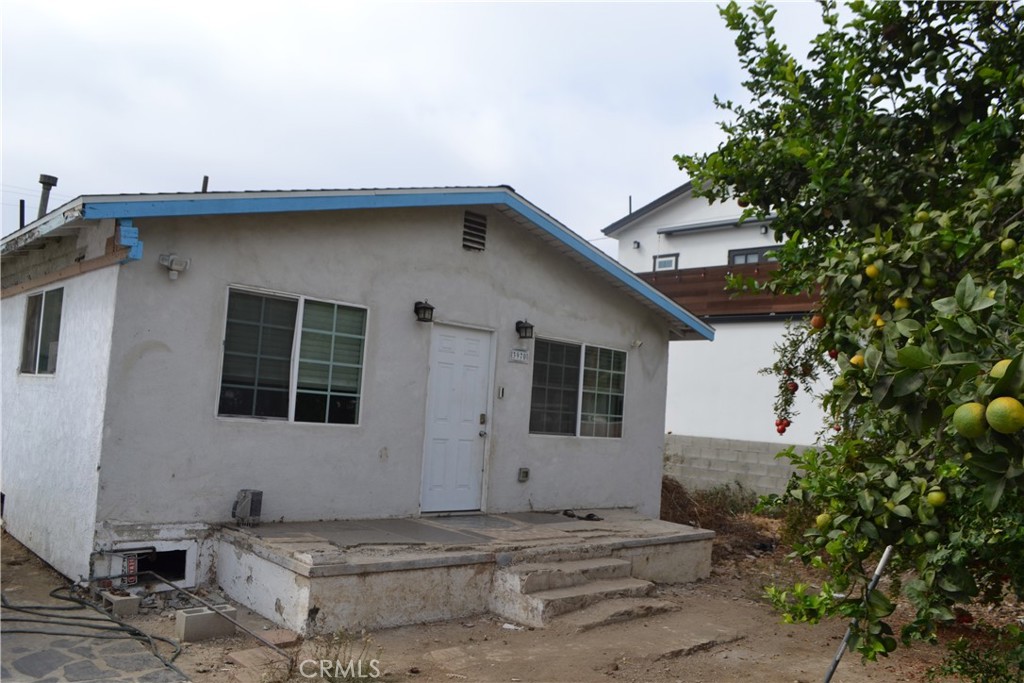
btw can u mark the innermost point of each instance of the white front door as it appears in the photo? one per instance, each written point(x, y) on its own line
point(457, 422)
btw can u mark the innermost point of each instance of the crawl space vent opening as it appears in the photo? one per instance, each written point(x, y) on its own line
point(169, 564)
point(474, 231)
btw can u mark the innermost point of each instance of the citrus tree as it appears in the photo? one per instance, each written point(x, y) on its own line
point(891, 160)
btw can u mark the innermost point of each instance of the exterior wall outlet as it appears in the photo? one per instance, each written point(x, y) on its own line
point(524, 473)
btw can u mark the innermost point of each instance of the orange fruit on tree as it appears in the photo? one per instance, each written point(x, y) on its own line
point(872, 271)
point(969, 420)
point(857, 361)
point(999, 369)
point(1005, 415)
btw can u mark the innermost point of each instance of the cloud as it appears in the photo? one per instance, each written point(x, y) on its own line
point(575, 105)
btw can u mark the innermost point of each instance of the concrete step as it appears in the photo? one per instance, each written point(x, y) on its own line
point(611, 611)
point(537, 609)
point(541, 576)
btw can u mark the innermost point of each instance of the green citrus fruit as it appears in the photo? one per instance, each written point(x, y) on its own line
point(1008, 245)
point(921, 216)
point(901, 302)
point(823, 520)
point(1005, 415)
point(936, 498)
point(932, 537)
point(969, 420)
point(876, 80)
point(999, 369)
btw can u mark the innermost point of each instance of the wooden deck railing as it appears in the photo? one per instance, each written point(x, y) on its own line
point(703, 291)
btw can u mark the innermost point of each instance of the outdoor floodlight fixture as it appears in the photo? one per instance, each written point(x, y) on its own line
point(524, 329)
point(424, 311)
point(174, 264)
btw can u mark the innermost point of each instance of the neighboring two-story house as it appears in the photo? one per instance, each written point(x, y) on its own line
point(720, 414)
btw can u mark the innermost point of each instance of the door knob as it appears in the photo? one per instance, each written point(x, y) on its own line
point(483, 433)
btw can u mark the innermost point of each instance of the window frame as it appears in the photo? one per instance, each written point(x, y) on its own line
point(37, 337)
point(759, 251)
point(675, 262)
point(577, 433)
point(293, 368)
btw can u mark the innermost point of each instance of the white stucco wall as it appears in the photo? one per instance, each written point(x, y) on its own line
point(695, 249)
point(715, 389)
point(53, 424)
point(169, 458)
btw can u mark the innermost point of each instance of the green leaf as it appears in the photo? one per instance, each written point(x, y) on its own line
point(967, 325)
point(947, 306)
point(914, 357)
point(902, 511)
point(907, 382)
point(872, 359)
point(966, 293)
point(879, 605)
point(907, 327)
point(993, 493)
point(880, 391)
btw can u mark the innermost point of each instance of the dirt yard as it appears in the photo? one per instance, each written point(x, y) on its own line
point(721, 631)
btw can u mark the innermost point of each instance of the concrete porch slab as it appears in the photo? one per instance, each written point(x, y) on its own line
point(317, 576)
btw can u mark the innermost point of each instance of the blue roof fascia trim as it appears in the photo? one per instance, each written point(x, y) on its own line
point(243, 205)
point(246, 205)
point(613, 268)
point(128, 236)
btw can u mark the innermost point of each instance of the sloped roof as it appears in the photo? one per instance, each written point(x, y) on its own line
point(84, 209)
point(648, 208)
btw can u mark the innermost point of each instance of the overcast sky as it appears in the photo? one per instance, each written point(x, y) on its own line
point(575, 105)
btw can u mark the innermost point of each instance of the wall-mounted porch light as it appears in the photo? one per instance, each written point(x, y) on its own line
point(524, 329)
point(424, 311)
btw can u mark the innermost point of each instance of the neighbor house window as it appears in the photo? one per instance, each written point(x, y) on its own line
point(666, 262)
point(754, 255)
point(42, 332)
point(577, 390)
point(270, 372)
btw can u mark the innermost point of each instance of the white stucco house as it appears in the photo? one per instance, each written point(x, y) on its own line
point(162, 352)
point(726, 432)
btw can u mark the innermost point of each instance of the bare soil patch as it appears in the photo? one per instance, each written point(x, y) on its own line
point(722, 631)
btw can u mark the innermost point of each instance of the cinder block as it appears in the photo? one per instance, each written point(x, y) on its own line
point(121, 605)
point(202, 623)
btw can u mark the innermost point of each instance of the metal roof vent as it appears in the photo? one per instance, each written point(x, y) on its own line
point(474, 231)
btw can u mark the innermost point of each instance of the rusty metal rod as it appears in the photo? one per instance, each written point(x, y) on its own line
point(201, 601)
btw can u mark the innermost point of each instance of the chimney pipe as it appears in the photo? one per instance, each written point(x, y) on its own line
point(21, 213)
point(47, 181)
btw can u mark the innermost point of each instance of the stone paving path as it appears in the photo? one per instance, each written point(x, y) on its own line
point(52, 657)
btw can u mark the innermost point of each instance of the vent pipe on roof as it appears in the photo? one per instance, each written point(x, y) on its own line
point(631, 204)
point(47, 181)
point(206, 182)
point(21, 213)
